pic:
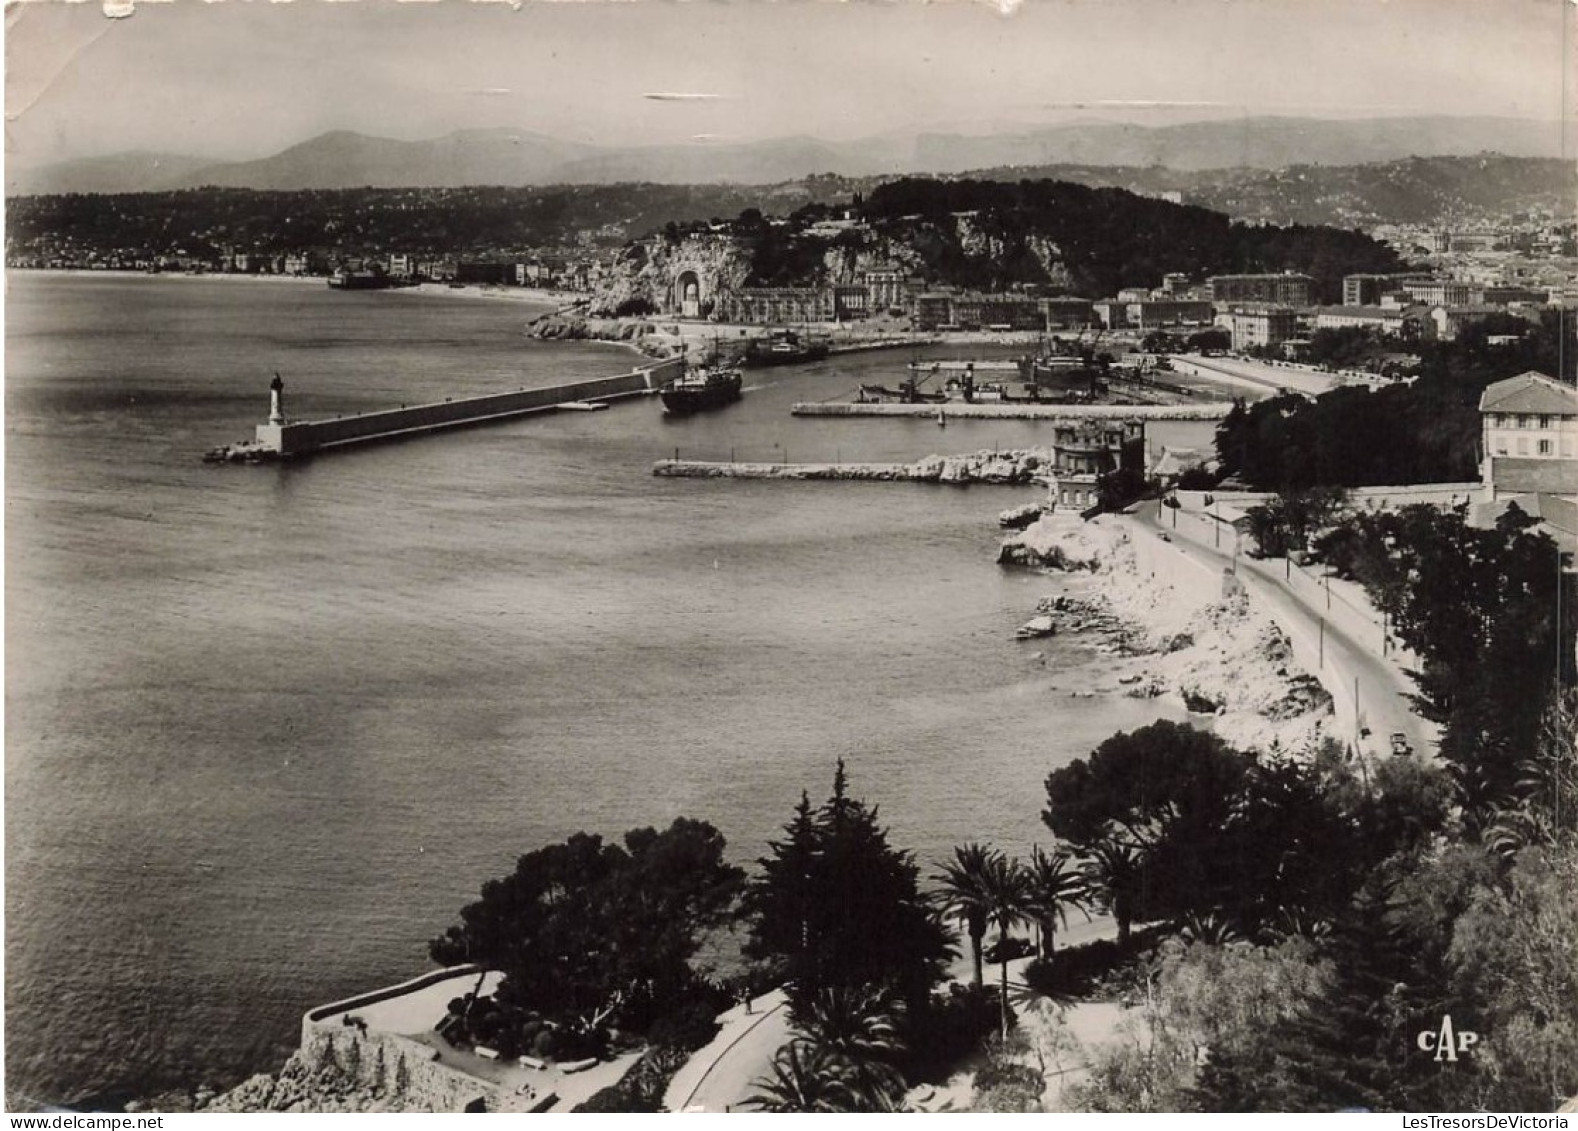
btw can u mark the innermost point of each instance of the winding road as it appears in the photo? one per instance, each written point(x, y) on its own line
point(1353, 670)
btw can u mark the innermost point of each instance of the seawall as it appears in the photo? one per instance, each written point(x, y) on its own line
point(296, 438)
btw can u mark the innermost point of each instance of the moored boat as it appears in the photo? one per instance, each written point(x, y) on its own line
point(784, 347)
point(701, 388)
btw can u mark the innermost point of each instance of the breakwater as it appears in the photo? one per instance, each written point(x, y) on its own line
point(1008, 468)
point(1020, 410)
point(288, 439)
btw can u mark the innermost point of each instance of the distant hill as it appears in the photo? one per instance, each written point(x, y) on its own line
point(351, 160)
point(1414, 190)
point(123, 172)
point(516, 158)
point(1257, 143)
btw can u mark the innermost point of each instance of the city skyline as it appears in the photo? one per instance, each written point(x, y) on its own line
point(233, 81)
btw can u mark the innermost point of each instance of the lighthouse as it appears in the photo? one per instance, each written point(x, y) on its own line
point(276, 401)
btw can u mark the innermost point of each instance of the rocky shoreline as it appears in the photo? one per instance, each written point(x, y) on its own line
point(1179, 631)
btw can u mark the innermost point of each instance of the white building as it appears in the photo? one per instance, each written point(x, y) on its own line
point(1259, 325)
point(1529, 437)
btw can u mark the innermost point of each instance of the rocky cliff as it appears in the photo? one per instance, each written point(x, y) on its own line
point(1179, 628)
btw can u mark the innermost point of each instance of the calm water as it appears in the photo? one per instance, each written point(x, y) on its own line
point(267, 728)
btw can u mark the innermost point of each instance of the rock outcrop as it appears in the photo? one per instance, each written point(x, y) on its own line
point(1174, 632)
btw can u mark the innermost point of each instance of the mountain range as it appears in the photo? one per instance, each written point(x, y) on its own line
point(344, 159)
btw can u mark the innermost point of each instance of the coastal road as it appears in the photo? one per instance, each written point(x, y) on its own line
point(1259, 375)
point(725, 1072)
point(1383, 688)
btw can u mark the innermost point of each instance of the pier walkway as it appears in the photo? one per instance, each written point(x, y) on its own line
point(282, 438)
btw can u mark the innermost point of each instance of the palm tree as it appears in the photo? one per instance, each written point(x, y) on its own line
point(965, 896)
point(804, 1078)
point(1008, 903)
point(857, 1027)
point(1116, 868)
point(1055, 886)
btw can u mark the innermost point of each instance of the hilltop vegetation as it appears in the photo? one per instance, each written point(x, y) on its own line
point(1413, 190)
point(460, 222)
point(1103, 239)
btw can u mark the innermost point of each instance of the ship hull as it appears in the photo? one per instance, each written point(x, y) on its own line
point(764, 359)
point(681, 398)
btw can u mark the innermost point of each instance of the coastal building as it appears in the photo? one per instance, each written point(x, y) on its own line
point(884, 289)
point(302, 263)
point(974, 311)
point(1152, 314)
point(1261, 327)
point(850, 302)
point(1450, 321)
point(1287, 289)
point(998, 312)
point(1529, 454)
point(1084, 451)
point(1368, 290)
point(1407, 323)
point(1439, 292)
point(775, 305)
point(1530, 435)
point(1498, 294)
point(1065, 312)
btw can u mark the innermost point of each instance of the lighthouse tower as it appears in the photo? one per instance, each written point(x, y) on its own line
point(276, 401)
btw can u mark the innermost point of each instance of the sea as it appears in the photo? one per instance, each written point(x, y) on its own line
point(268, 728)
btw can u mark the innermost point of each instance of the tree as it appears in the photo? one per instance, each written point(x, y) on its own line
point(803, 1078)
point(1115, 868)
point(857, 1029)
point(1140, 782)
point(964, 894)
point(835, 905)
point(1515, 953)
point(1008, 903)
point(588, 933)
point(1056, 885)
point(1489, 613)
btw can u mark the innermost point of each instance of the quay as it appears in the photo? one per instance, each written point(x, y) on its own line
point(282, 438)
point(864, 345)
point(1020, 410)
point(954, 365)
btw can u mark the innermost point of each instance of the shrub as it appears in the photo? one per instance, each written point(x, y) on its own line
point(689, 1027)
point(951, 1028)
point(1077, 971)
point(637, 306)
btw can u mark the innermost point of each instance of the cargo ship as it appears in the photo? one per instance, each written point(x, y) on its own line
point(784, 347)
point(701, 388)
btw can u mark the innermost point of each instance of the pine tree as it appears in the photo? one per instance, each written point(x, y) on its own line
point(836, 906)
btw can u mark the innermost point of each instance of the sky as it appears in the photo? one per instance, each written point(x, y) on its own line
point(238, 79)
